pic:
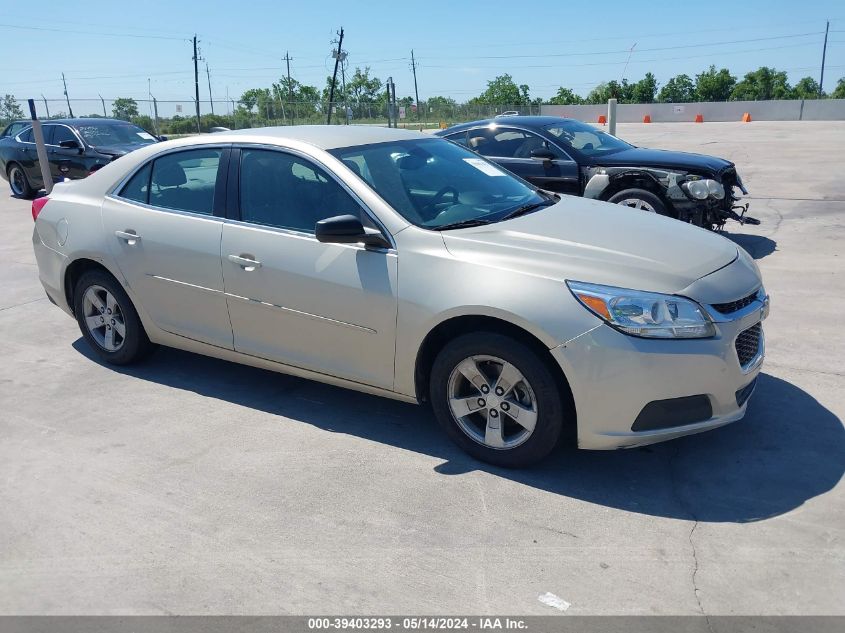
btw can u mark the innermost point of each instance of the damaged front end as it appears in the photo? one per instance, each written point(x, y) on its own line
point(701, 200)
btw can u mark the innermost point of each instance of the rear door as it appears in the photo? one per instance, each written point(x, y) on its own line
point(329, 308)
point(511, 148)
point(164, 228)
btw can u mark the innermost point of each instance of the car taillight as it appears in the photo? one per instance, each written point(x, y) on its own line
point(37, 205)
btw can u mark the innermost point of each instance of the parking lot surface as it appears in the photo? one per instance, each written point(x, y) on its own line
point(188, 485)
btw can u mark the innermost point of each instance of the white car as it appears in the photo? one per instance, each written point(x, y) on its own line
point(406, 266)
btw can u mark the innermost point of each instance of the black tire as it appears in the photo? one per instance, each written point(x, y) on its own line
point(646, 196)
point(135, 344)
point(552, 414)
point(25, 189)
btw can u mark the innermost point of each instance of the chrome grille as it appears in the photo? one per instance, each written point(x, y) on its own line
point(748, 344)
point(734, 306)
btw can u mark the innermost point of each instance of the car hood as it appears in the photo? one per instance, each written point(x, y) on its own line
point(597, 242)
point(116, 150)
point(645, 157)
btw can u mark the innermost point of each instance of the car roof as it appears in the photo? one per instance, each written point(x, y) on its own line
point(531, 122)
point(324, 136)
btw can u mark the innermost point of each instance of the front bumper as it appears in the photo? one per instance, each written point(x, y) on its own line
point(614, 377)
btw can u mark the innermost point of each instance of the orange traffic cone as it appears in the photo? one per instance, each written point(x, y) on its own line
point(699, 118)
point(746, 118)
point(602, 119)
point(647, 118)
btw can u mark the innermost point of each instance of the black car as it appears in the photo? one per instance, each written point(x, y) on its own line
point(14, 128)
point(75, 148)
point(567, 156)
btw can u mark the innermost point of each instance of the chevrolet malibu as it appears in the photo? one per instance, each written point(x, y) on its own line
point(409, 267)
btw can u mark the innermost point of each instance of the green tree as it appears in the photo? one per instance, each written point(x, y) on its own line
point(839, 91)
point(565, 96)
point(362, 88)
point(714, 85)
point(806, 88)
point(622, 92)
point(679, 89)
point(761, 85)
point(124, 108)
point(644, 90)
point(503, 91)
point(9, 108)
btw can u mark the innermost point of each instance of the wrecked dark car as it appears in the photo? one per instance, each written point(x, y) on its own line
point(570, 157)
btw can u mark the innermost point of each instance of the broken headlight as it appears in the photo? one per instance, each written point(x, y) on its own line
point(701, 189)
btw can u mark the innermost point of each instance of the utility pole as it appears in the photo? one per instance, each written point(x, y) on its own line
point(46, 107)
point(210, 98)
point(103, 101)
point(416, 92)
point(290, 89)
point(334, 76)
point(196, 83)
point(824, 52)
point(69, 109)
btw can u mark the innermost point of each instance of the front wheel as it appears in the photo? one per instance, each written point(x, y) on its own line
point(641, 200)
point(497, 399)
point(19, 183)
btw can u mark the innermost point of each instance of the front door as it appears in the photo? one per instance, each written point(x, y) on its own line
point(329, 308)
point(165, 237)
point(511, 148)
point(66, 162)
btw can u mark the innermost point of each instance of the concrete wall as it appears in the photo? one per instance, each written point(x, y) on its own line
point(791, 110)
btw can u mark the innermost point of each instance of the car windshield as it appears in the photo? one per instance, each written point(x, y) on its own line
point(585, 139)
point(99, 135)
point(439, 185)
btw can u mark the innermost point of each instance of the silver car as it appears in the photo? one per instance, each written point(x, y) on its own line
point(406, 266)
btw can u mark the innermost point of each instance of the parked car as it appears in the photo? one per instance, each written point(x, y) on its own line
point(518, 314)
point(75, 149)
point(571, 157)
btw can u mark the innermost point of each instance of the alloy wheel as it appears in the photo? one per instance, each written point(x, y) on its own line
point(637, 203)
point(492, 402)
point(17, 181)
point(104, 318)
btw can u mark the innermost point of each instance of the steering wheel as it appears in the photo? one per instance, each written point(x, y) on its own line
point(438, 197)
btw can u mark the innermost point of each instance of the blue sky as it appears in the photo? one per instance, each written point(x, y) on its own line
point(104, 49)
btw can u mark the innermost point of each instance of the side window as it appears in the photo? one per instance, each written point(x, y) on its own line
point(138, 187)
point(506, 143)
point(47, 131)
point(185, 181)
point(460, 138)
point(288, 192)
point(26, 136)
point(62, 133)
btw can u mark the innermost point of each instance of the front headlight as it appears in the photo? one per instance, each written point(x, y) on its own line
point(702, 189)
point(646, 314)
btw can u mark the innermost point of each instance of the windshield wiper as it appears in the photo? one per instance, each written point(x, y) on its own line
point(528, 208)
point(462, 224)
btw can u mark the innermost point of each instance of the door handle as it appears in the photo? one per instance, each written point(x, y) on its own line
point(131, 237)
point(247, 263)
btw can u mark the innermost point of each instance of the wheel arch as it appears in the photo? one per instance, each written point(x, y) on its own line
point(451, 328)
point(637, 179)
point(75, 270)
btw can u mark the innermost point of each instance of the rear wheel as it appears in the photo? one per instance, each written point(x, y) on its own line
point(19, 183)
point(640, 199)
point(497, 400)
point(108, 319)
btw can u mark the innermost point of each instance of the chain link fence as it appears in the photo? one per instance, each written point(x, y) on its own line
point(170, 117)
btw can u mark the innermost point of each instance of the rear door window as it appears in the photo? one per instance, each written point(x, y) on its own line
point(138, 187)
point(186, 181)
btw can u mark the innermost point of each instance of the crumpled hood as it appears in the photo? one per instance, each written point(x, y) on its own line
point(598, 242)
point(115, 151)
point(645, 157)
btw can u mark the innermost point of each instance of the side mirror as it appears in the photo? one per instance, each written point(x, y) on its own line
point(347, 229)
point(543, 153)
point(162, 137)
point(70, 144)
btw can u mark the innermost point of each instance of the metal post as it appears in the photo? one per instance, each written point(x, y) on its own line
point(824, 52)
point(155, 120)
point(611, 117)
point(40, 148)
point(196, 85)
point(69, 109)
point(387, 101)
point(334, 77)
point(210, 98)
point(103, 101)
point(46, 107)
point(416, 92)
point(290, 89)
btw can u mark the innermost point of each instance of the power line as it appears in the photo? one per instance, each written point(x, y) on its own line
point(134, 35)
